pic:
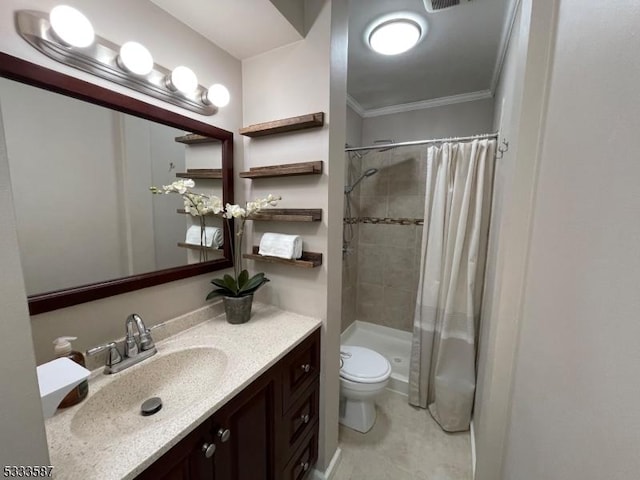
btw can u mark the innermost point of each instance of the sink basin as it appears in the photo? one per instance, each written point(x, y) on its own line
point(181, 379)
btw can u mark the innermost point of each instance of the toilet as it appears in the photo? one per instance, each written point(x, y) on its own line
point(364, 374)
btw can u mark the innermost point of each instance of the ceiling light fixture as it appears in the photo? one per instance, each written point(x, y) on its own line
point(217, 95)
point(396, 33)
point(135, 58)
point(71, 27)
point(64, 35)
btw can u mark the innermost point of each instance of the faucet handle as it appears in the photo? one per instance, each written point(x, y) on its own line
point(113, 355)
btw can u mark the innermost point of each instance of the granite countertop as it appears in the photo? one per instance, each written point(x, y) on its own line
point(80, 450)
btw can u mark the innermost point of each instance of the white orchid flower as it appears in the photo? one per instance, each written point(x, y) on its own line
point(215, 205)
point(234, 211)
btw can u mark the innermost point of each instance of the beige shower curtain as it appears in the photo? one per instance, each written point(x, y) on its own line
point(456, 220)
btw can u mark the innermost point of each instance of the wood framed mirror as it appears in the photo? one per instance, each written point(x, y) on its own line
point(43, 298)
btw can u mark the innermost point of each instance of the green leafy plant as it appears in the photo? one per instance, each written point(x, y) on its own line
point(243, 286)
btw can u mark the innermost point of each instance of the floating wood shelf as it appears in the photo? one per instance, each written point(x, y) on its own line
point(308, 260)
point(201, 173)
point(195, 139)
point(289, 215)
point(287, 170)
point(311, 120)
point(191, 246)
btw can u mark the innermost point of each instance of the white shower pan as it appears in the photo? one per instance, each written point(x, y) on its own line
point(392, 343)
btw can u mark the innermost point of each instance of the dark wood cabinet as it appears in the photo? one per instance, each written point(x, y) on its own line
point(268, 431)
point(189, 459)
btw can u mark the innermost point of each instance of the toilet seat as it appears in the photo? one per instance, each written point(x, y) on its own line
point(363, 365)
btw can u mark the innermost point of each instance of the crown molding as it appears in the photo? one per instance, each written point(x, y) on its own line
point(505, 40)
point(355, 106)
point(434, 102)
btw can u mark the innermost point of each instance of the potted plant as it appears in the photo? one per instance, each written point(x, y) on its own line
point(237, 290)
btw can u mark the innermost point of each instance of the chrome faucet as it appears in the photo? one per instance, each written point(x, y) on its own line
point(131, 347)
point(136, 347)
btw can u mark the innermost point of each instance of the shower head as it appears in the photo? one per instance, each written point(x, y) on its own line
point(349, 188)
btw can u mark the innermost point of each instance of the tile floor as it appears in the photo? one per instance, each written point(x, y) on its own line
point(404, 444)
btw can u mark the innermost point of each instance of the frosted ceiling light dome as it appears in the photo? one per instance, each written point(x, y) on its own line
point(183, 79)
point(395, 36)
point(71, 26)
point(218, 95)
point(135, 58)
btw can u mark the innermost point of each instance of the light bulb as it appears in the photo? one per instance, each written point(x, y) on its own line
point(71, 26)
point(135, 58)
point(395, 36)
point(218, 95)
point(183, 79)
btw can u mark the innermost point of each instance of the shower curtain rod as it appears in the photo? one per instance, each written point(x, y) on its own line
point(422, 142)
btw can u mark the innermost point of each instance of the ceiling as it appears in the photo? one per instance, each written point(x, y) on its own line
point(457, 57)
point(244, 28)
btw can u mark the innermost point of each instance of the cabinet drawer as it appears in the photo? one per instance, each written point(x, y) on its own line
point(300, 369)
point(300, 418)
point(304, 459)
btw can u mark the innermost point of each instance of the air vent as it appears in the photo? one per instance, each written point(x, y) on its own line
point(437, 5)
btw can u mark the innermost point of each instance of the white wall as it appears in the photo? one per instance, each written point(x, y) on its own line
point(575, 411)
point(277, 85)
point(469, 118)
point(519, 109)
point(354, 128)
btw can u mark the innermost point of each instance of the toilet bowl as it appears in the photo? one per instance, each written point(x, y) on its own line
point(364, 374)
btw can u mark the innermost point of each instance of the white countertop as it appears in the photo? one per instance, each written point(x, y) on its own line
point(250, 349)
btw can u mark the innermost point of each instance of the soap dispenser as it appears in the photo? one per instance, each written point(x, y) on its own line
point(62, 348)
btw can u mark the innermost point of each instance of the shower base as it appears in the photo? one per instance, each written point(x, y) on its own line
point(394, 344)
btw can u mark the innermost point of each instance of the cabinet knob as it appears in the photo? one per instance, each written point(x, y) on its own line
point(305, 367)
point(304, 418)
point(208, 449)
point(224, 434)
point(304, 466)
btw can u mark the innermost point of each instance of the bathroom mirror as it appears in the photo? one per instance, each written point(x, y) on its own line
point(82, 159)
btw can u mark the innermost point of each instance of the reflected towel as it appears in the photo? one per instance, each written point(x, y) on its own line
point(281, 245)
point(213, 236)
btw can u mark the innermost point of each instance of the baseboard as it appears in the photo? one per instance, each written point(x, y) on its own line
point(473, 449)
point(331, 469)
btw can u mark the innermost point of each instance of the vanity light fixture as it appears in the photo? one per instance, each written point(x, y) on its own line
point(183, 80)
point(218, 95)
point(396, 33)
point(67, 36)
point(71, 27)
point(135, 58)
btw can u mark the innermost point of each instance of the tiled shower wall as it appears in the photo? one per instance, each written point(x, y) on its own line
point(387, 256)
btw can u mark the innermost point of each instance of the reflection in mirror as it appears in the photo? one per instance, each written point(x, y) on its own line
point(87, 213)
point(81, 174)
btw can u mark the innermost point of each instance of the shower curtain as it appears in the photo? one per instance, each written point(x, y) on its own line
point(454, 242)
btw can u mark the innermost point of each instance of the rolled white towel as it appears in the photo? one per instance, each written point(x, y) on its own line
point(213, 236)
point(281, 245)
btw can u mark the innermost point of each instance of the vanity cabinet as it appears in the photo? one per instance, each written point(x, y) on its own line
point(268, 431)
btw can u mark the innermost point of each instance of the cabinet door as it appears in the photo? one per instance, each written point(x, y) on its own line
point(191, 459)
point(244, 434)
